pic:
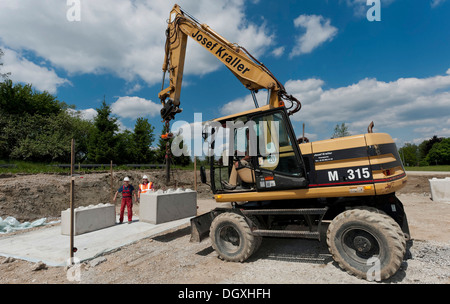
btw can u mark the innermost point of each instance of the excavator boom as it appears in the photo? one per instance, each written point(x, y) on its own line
point(249, 71)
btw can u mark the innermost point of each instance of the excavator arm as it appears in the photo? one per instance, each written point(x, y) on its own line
point(250, 72)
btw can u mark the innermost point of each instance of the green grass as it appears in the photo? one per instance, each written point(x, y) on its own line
point(429, 168)
point(35, 168)
point(30, 168)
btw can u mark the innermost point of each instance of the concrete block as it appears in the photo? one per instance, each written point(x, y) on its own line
point(166, 206)
point(440, 189)
point(88, 219)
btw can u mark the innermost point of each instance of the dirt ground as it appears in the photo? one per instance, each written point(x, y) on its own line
point(30, 197)
point(171, 258)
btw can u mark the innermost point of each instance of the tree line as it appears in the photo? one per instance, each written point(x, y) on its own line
point(433, 151)
point(35, 126)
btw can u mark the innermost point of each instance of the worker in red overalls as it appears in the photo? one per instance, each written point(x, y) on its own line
point(127, 191)
point(145, 187)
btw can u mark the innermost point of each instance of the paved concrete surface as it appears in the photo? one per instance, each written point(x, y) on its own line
point(51, 247)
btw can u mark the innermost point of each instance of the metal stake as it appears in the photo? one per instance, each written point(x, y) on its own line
point(112, 184)
point(72, 190)
point(195, 173)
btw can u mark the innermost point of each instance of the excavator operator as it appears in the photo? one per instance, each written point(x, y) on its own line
point(242, 168)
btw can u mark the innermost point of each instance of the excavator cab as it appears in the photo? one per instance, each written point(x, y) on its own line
point(255, 151)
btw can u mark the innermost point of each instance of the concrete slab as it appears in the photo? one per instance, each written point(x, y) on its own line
point(88, 219)
point(440, 189)
point(165, 206)
point(51, 247)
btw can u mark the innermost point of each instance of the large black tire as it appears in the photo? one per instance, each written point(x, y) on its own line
point(232, 237)
point(367, 243)
point(258, 239)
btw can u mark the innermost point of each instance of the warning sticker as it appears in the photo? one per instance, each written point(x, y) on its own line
point(270, 183)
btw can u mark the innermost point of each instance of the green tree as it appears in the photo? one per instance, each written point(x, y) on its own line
point(143, 138)
point(103, 138)
point(80, 131)
point(426, 146)
point(22, 99)
point(439, 154)
point(160, 152)
point(340, 131)
point(51, 141)
point(180, 157)
point(409, 154)
point(35, 126)
point(125, 147)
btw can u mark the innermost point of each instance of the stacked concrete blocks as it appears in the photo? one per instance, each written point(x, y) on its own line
point(88, 219)
point(166, 206)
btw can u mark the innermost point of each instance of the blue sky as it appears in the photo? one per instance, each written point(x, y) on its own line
point(344, 68)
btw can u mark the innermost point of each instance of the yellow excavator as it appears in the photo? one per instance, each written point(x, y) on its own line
point(277, 185)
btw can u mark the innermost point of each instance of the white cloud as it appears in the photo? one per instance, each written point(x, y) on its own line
point(125, 38)
point(360, 7)
point(403, 103)
point(419, 105)
point(24, 71)
point(435, 3)
point(137, 87)
point(318, 30)
point(87, 114)
point(134, 107)
point(244, 103)
point(305, 90)
point(278, 52)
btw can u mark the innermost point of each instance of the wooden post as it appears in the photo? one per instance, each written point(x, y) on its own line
point(112, 188)
point(167, 164)
point(72, 190)
point(195, 173)
point(112, 185)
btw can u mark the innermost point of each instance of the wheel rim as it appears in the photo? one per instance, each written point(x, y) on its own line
point(229, 239)
point(360, 245)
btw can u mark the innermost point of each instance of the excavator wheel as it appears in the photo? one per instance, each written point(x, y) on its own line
point(232, 237)
point(258, 239)
point(367, 243)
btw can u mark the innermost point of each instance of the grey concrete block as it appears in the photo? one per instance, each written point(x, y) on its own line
point(166, 206)
point(88, 219)
point(440, 189)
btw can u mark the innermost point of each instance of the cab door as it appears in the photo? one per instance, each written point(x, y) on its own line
point(276, 158)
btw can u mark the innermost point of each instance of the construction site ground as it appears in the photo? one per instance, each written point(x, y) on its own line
point(168, 257)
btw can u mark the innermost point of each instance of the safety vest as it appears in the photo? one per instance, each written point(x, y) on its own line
point(146, 187)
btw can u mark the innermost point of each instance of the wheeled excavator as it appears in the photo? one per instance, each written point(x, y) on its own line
point(276, 185)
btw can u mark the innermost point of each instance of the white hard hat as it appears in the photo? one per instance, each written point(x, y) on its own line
point(145, 177)
point(126, 179)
